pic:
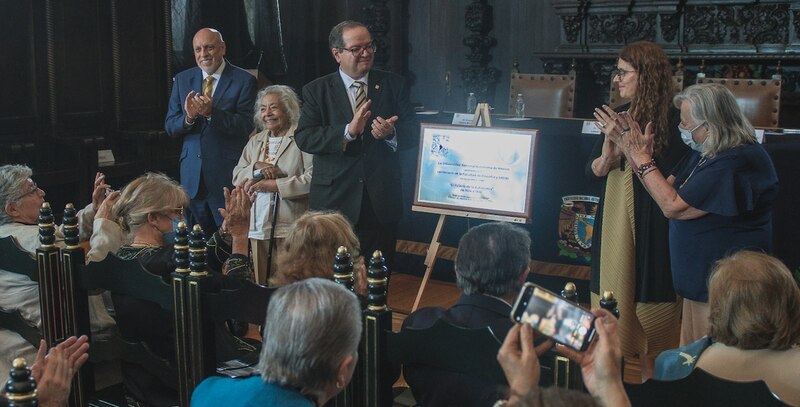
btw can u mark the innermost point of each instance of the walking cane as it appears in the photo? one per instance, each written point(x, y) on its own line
point(273, 221)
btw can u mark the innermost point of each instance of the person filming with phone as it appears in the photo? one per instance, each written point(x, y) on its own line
point(600, 367)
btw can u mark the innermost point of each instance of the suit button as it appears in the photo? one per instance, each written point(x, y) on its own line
point(198, 156)
point(361, 180)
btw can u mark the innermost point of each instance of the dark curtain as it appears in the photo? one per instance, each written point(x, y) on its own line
point(227, 16)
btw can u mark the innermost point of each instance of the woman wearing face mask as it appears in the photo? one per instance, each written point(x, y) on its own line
point(718, 200)
point(148, 210)
point(630, 252)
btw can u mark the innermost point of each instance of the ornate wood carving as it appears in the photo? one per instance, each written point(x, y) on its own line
point(669, 26)
point(377, 18)
point(621, 29)
point(720, 39)
point(479, 77)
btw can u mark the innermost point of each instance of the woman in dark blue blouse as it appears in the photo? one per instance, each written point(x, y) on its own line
point(718, 200)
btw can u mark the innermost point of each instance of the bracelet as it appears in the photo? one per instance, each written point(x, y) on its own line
point(647, 171)
point(646, 166)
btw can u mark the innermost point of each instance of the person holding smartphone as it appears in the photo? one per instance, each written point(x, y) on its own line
point(599, 367)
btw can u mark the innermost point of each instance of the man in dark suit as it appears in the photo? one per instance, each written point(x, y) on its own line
point(211, 108)
point(354, 121)
point(491, 265)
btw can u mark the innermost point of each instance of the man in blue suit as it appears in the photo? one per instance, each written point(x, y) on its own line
point(211, 108)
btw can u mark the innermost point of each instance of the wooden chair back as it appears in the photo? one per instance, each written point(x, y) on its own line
point(129, 278)
point(759, 99)
point(545, 95)
point(701, 388)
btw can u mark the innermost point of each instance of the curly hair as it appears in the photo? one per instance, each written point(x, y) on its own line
point(654, 93)
point(310, 247)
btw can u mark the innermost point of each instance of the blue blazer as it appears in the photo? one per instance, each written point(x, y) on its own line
point(212, 146)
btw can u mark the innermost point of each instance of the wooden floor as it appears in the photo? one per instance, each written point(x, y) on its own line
point(403, 291)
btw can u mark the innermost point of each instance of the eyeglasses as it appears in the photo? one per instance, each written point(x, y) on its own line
point(34, 189)
point(356, 51)
point(176, 211)
point(620, 72)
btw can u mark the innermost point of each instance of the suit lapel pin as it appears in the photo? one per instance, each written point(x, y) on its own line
point(377, 87)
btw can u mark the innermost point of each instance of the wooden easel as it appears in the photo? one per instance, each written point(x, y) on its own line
point(482, 115)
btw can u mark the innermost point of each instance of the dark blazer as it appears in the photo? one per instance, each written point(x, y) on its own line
point(340, 175)
point(212, 146)
point(432, 387)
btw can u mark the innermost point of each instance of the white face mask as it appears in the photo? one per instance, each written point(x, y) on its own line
point(686, 136)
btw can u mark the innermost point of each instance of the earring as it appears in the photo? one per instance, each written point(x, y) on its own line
point(339, 384)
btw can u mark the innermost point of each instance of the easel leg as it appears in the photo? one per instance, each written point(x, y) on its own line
point(430, 260)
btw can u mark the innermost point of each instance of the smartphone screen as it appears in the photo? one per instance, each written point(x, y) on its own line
point(553, 316)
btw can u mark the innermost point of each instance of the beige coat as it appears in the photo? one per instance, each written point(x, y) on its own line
point(293, 189)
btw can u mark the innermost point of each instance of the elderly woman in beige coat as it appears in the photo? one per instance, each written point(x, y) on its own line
point(271, 163)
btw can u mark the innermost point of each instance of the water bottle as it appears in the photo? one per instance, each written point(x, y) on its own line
point(472, 103)
point(519, 106)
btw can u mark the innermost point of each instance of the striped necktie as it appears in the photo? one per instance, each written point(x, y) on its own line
point(208, 86)
point(361, 94)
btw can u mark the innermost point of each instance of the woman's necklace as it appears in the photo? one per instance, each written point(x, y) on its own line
point(699, 163)
point(141, 243)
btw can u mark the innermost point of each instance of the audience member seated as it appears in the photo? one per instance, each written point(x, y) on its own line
point(148, 210)
point(309, 352)
point(491, 265)
point(21, 200)
point(310, 248)
point(600, 368)
point(754, 330)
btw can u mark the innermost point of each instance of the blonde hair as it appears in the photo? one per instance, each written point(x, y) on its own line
point(150, 193)
point(310, 247)
point(716, 107)
point(754, 302)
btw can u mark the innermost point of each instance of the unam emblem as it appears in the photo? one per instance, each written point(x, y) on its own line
point(576, 226)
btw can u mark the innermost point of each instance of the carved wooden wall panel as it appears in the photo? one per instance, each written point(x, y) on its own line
point(82, 91)
point(719, 38)
point(19, 107)
point(139, 65)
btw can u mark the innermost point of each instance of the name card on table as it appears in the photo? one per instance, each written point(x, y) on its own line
point(760, 136)
point(590, 127)
point(465, 119)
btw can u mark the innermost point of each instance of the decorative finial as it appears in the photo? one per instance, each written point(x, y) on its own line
point(19, 363)
point(343, 268)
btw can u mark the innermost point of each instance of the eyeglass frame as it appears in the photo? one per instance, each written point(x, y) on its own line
point(360, 48)
point(620, 72)
point(33, 190)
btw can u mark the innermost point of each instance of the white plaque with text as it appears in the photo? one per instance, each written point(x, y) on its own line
point(476, 169)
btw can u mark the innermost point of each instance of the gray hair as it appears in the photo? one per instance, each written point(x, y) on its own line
point(13, 178)
point(311, 326)
point(491, 258)
point(289, 100)
point(715, 105)
point(335, 39)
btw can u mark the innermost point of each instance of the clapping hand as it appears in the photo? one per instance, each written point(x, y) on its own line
point(99, 191)
point(53, 369)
